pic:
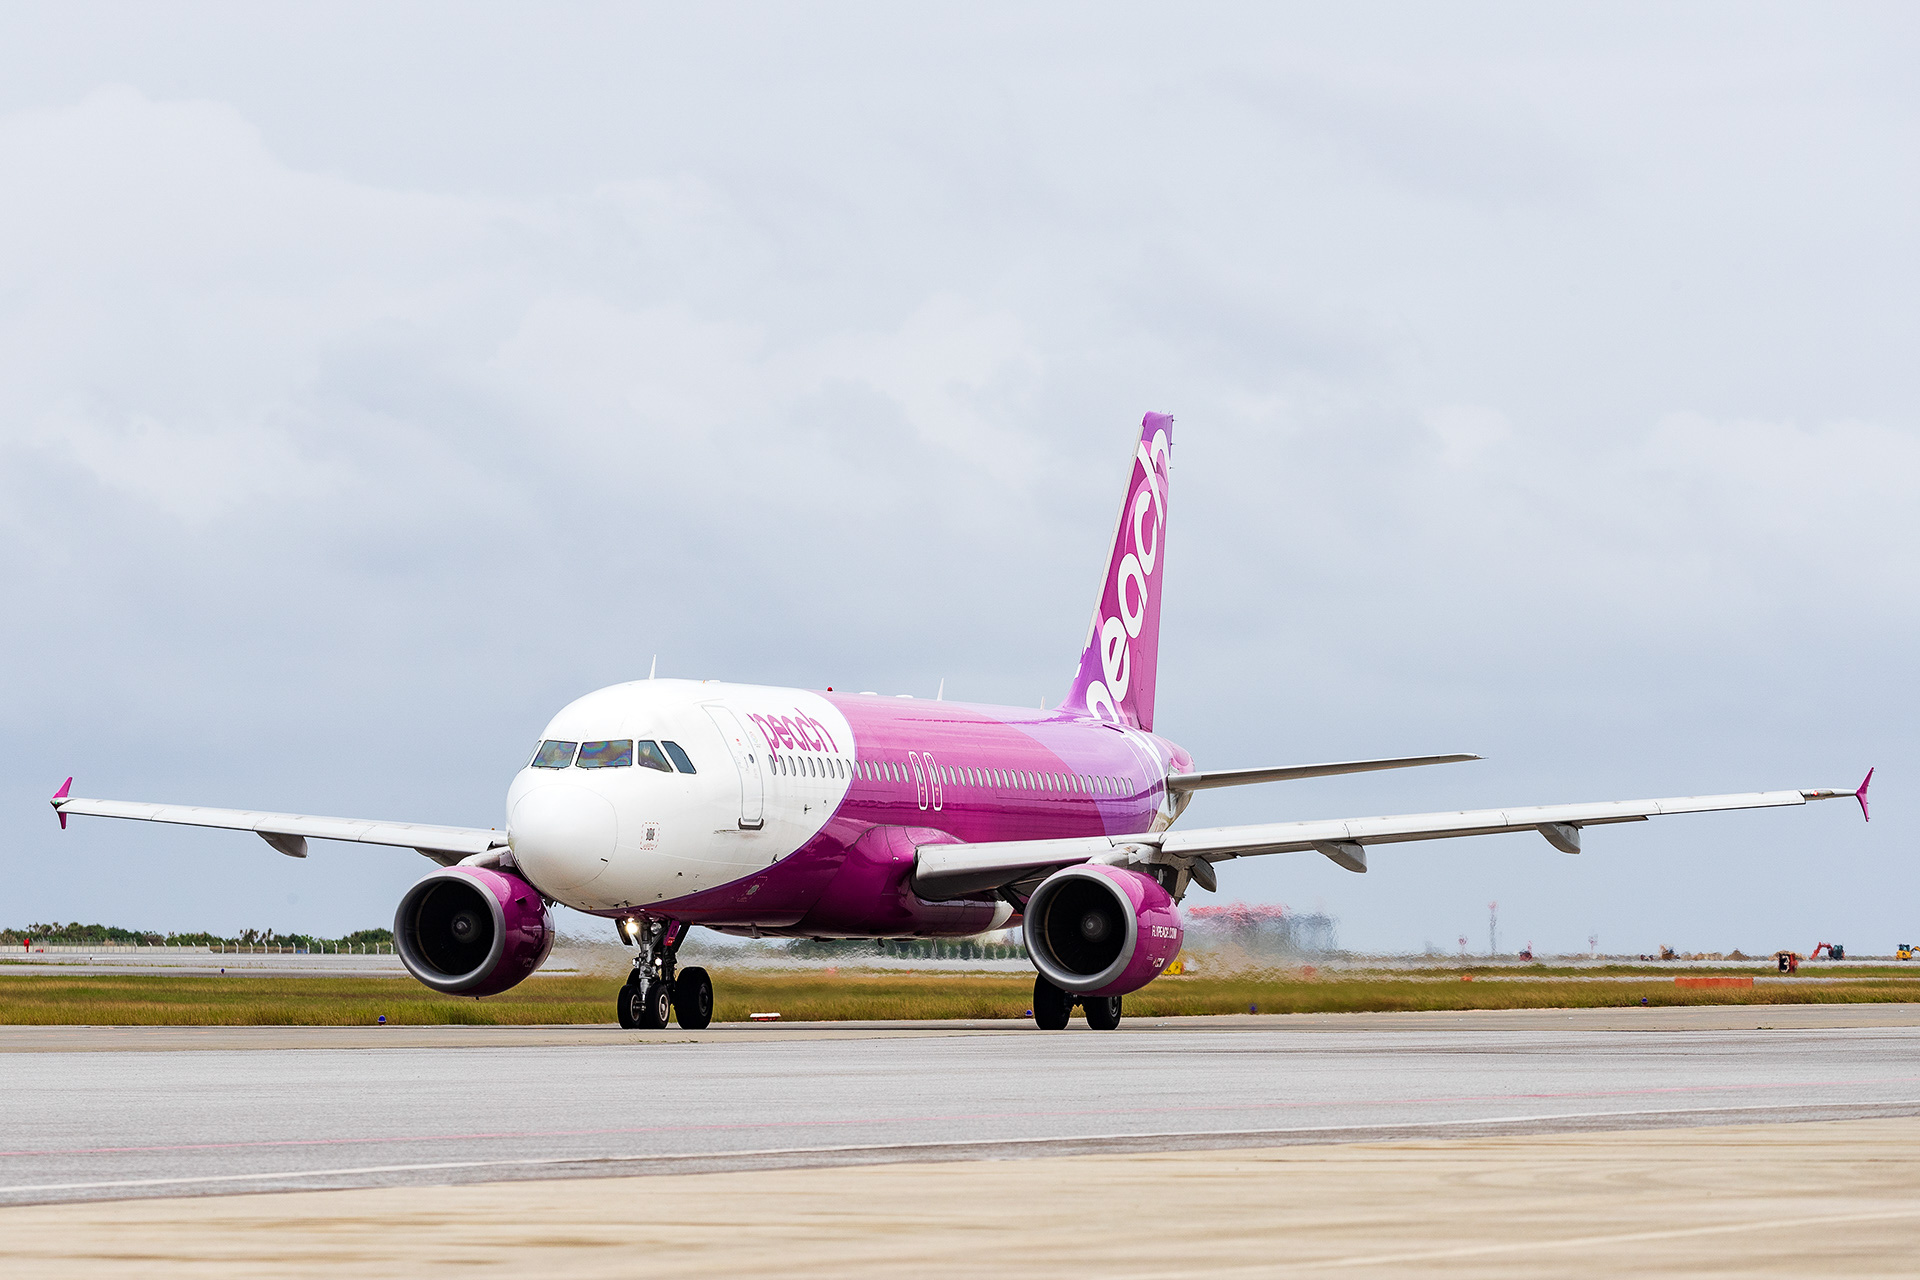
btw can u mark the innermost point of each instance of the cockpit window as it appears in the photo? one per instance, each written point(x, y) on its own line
point(617, 754)
point(554, 755)
point(679, 757)
point(651, 758)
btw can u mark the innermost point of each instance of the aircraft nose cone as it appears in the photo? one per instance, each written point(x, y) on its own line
point(562, 836)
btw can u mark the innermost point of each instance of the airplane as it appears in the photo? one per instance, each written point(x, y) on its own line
point(794, 813)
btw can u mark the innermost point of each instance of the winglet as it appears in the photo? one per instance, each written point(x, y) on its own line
point(1861, 796)
point(67, 786)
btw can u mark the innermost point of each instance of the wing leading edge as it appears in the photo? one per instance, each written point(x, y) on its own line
point(952, 870)
point(289, 832)
point(1288, 773)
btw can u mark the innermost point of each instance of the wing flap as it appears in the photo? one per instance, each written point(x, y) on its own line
point(428, 839)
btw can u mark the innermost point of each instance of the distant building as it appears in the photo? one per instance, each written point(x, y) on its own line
point(1262, 929)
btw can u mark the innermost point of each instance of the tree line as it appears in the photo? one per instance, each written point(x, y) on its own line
point(99, 935)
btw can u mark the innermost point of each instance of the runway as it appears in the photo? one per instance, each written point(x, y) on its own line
point(307, 1110)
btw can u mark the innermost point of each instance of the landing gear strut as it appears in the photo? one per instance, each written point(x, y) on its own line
point(1052, 1008)
point(654, 990)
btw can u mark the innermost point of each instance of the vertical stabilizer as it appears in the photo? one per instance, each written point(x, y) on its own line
point(1118, 666)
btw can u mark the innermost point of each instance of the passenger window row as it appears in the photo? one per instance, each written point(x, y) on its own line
point(803, 765)
point(614, 753)
point(1002, 779)
point(806, 766)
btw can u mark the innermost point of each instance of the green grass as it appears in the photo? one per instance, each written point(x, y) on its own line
point(171, 1000)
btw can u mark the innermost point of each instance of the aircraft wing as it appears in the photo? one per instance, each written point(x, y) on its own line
point(1287, 773)
point(951, 870)
point(288, 832)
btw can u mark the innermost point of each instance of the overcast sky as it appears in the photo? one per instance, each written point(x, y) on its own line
point(374, 380)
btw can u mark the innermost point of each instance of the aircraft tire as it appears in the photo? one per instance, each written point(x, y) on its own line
point(654, 1004)
point(1051, 1006)
point(693, 999)
point(1103, 1012)
point(627, 1006)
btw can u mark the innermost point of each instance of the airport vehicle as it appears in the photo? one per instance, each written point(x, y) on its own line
point(768, 812)
point(1833, 949)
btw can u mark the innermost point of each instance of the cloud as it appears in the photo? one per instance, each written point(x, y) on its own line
point(1541, 393)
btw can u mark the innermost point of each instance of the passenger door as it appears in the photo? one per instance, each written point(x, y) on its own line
point(750, 759)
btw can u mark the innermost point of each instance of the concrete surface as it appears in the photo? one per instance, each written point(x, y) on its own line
point(468, 1104)
point(1788, 1200)
point(1778, 1017)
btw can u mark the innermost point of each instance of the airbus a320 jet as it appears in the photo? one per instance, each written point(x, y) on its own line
point(799, 813)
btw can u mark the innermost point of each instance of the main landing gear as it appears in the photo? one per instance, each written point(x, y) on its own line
point(654, 990)
point(1052, 1007)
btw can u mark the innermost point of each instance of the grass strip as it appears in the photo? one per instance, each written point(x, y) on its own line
point(175, 1000)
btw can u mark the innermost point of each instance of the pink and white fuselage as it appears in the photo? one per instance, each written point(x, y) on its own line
point(806, 808)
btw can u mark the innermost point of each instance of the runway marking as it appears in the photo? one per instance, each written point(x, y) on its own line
point(942, 1117)
point(1572, 1242)
point(1216, 1138)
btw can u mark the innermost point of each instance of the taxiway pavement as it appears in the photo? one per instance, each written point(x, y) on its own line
point(196, 1112)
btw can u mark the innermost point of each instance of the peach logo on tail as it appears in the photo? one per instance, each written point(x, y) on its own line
point(1146, 521)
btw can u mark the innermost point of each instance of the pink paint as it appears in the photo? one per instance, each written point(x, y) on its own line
point(1152, 937)
point(1117, 671)
point(60, 795)
point(869, 896)
point(524, 931)
point(796, 732)
point(944, 771)
point(1861, 796)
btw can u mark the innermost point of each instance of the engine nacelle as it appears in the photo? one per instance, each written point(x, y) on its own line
point(472, 931)
point(1096, 930)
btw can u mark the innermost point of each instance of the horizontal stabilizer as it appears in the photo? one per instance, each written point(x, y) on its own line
point(1287, 773)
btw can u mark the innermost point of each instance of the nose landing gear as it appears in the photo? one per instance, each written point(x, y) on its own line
point(654, 991)
point(1052, 1008)
point(644, 1005)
